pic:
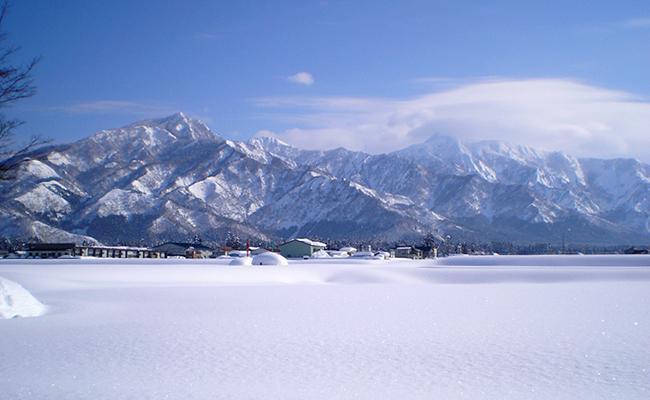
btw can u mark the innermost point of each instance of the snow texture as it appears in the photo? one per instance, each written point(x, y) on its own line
point(461, 328)
point(241, 261)
point(16, 301)
point(320, 254)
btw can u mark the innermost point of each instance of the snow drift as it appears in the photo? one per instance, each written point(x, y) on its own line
point(16, 301)
point(331, 329)
point(269, 259)
point(549, 261)
point(240, 261)
point(320, 254)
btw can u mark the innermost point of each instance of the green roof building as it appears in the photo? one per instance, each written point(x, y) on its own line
point(299, 248)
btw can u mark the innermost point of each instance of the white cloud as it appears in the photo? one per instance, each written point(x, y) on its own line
point(552, 114)
point(302, 78)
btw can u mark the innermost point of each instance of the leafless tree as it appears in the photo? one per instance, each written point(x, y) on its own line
point(16, 83)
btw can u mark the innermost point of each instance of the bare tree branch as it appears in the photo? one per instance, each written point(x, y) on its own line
point(9, 166)
point(16, 83)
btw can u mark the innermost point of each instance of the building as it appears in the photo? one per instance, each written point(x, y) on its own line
point(299, 248)
point(428, 251)
point(187, 250)
point(636, 250)
point(118, 252)
point(51, 250)
point(408, 252)
point(56, 250)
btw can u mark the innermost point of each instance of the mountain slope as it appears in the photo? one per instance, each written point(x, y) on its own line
point(173, 178)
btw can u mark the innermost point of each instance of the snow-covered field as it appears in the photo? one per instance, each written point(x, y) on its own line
point(553, 327)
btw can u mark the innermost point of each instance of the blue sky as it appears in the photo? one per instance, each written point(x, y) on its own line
point(393, 71)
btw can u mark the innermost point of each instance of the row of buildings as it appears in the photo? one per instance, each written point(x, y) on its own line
point(165, 250)
point(295, 248)
point(57, 250)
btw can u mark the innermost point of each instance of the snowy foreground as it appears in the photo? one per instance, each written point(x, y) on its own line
point(554, 327)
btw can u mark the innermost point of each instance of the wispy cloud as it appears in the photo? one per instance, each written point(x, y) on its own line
point(636, 23)
point(302, 78)
point(116, 107)
point(552, 114)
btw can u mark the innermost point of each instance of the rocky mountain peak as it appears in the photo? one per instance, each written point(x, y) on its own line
point(181, 126)
point(156, 179)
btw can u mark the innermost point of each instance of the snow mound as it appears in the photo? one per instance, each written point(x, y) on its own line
point(16, 301)
point(320, 254)
point(269, 259)
point(241, 261)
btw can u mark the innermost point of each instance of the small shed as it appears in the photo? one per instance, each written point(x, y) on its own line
point(299, 248)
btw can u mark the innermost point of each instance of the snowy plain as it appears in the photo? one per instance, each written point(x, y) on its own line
point(529, 327)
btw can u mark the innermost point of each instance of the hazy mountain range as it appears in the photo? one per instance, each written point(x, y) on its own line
point(173, 178)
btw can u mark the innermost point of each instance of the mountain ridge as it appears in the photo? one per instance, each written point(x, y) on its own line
point(171, 177)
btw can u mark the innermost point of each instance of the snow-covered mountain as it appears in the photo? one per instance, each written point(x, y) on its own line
point(173, 177)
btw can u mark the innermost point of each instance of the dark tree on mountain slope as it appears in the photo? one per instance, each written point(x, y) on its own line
point(233, 241)
point(429, 240)
point(16, 83)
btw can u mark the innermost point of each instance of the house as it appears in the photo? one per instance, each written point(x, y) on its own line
point(221, 251)
point(428, 251)
point(299, 248)
point(118, 252)
point(408, 252)
point(51, 250)
point(55, 250)
point(187, 250)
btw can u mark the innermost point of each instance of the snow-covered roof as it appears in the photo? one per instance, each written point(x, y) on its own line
point(311, 242)
point(348, 249)
point(185, 245)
